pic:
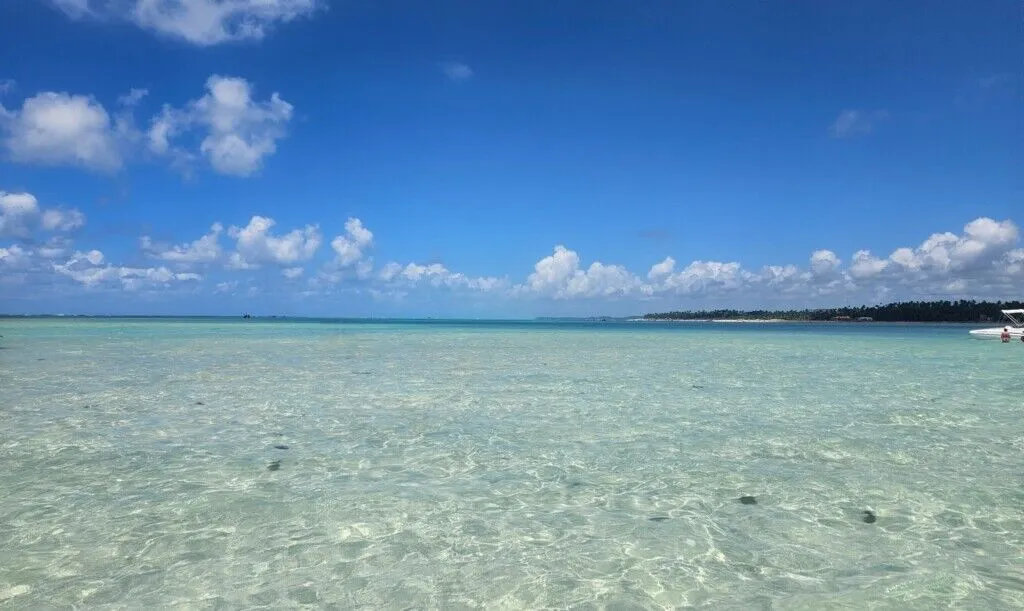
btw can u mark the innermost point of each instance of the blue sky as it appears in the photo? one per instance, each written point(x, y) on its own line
point(505, 158)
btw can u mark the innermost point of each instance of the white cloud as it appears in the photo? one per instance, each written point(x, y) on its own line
point(702, 277)
point(200, 22)
point(559, 275)
point(255, 245)
point(350, 247)
point(56, 219)
point(982, 261)
point(437, 275)
point(88, 269)
point(866, 266)
point(551, 273)
point(133, 97)
point(63, 129)
point(20, 216)
point(54, 248)
point(226, 126)
point(17, 212)
point(824, 262)
point(226, 287)
point(239, 132)
point(350, 256)
point(390, 271)
point(660, 270)
point(851, 122)
point(457, 71)
point(204, 250)
point(984, 244)
point(13, 256)
point(93, 257)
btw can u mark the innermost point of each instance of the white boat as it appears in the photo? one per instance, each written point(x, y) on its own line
point(1015, 328)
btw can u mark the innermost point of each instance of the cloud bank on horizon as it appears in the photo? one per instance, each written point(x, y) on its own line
point(233, 127)
point(984, 259)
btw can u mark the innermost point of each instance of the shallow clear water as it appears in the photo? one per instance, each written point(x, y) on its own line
point(508, 466)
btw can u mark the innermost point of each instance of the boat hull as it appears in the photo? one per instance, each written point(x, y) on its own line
point(997, 332)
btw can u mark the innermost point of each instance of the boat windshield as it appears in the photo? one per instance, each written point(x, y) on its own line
point(1016, 317)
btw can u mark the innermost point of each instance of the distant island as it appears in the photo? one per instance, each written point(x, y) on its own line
point(906, 311)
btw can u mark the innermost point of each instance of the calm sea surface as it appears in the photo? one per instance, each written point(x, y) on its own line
point(215, 464)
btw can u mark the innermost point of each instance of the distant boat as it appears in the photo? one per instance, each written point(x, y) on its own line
point(1015, 328)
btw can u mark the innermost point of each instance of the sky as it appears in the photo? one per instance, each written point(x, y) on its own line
point(477, 158)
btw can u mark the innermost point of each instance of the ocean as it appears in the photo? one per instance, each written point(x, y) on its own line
point(230, 464)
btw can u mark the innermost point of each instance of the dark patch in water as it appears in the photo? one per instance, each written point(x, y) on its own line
point(575, 484)
point(274, 466)
point(200, 403)
point(658, 518)
point(40, 359)
point(869, 517)
point(278, 434)
point(86, 406)
point(697, 386)
point(280, 447)
point(362, 373)
point(748, 500)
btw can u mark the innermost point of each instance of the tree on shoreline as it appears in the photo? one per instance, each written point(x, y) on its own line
point(907, 311)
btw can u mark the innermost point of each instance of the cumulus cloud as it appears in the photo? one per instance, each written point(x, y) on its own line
point(350, 255)
point(43, 258)
point(57, 219)
point(559, 275)
point(660, 270)
point(852, 122)
point(20, 216)
point(350, 247)
point(14, 256)
point(866, 266)
point(54, 248)
point(204, 250)
point(701, 277)
point(255, 245)
point(63, 129)
point(229, 128)
point(437, 275)
point(824, 262)
point(87, 269)
point(982, 261)
point(200, 22)
point(17, 211)
point(238, 132)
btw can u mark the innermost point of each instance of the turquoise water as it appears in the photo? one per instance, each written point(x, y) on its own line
point(508, 465)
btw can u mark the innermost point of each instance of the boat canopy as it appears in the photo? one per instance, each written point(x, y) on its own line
point(1016, 317)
